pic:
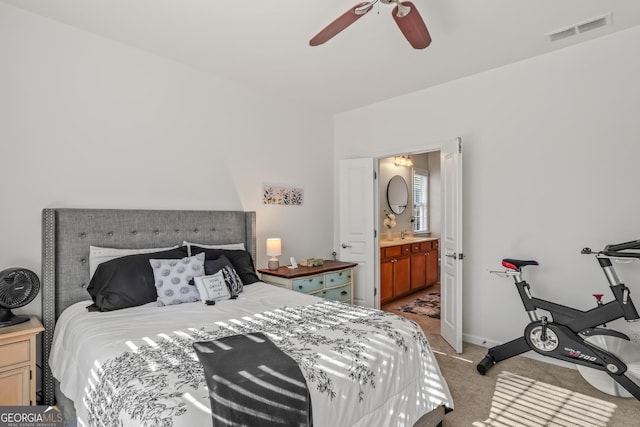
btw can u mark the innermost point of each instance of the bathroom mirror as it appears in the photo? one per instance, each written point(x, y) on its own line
point(397, 194)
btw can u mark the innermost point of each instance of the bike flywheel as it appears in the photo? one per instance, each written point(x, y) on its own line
point(626, 351)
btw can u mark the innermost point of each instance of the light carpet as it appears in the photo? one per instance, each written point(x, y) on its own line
point(521, 401)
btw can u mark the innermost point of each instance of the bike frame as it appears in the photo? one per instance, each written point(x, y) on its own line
point(578, 320)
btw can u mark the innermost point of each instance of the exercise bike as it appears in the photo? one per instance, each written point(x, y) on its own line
point(606, 358)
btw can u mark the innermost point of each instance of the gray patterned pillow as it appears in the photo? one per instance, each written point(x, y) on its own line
point(172, 277)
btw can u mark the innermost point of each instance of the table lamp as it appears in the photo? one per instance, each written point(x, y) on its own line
point(274, 249)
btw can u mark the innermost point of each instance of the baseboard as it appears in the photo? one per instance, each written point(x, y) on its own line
point(483, 342)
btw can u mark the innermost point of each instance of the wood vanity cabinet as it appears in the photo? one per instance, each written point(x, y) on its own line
point(395, 272)
point(407, 268)
point(424, 264)
point(433, 267)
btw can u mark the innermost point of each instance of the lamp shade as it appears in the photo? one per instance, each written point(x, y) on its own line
point(274, 247)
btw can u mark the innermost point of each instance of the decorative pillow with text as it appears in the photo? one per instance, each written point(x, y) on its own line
point(231, 277)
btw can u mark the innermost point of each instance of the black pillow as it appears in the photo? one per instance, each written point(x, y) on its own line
point(127, 281)
point(231, 277)
point(241, 261)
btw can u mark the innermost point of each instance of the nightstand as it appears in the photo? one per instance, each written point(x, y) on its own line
point(18, 363)
point(333, 280)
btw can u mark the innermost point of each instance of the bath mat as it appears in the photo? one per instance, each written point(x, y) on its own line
point(428, 305)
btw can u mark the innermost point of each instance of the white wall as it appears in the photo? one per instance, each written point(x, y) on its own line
point(551, 155)
point(87, 122)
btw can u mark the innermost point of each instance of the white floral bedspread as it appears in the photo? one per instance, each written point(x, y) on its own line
point(137, 366)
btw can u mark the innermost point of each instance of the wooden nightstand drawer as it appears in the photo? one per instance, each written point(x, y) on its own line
point(14, 353)
point(337, 278)
point(308, 284)
point(342, 293)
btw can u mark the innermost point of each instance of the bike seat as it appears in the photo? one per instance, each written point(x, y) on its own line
point(516, 264)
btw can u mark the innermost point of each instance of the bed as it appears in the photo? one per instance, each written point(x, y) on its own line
point(136, 366)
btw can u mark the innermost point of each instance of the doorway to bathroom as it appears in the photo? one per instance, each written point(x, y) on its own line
point(359, 230)
point(409, 200)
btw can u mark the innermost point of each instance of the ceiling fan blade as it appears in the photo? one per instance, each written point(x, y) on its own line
point(411, 24)
point(341, 22)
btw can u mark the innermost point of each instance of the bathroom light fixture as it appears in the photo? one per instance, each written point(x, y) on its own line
point(274, 249)
point(403, 161)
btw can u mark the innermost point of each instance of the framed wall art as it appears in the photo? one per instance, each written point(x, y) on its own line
point(281, 195)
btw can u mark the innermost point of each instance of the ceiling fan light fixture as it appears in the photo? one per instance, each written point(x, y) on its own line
point(404, 13)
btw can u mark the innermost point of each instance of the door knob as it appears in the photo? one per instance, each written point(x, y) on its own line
point(345, 246)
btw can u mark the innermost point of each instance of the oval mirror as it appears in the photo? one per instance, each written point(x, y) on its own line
point(397, 194)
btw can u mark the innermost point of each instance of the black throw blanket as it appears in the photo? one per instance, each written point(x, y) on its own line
point(253, 383)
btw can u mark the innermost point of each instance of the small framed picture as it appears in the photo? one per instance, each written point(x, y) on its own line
point(212, 288)
point(273, 194)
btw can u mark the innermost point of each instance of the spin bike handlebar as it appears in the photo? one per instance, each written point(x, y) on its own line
point(618, 250)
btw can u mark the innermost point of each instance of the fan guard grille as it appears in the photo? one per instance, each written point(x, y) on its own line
point(18, 287)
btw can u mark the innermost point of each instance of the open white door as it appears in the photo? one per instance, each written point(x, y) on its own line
point(451, 244)
point(356, 188)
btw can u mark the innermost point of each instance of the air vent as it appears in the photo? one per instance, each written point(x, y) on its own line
point(582, 27)
point(592, 25)
point(562, 34)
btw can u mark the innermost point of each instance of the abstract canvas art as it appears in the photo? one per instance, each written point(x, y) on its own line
point(278, 195)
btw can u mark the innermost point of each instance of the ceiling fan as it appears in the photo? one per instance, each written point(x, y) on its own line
point(404, 13)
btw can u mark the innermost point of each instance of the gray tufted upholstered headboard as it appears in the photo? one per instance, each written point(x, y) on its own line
point(68, 233)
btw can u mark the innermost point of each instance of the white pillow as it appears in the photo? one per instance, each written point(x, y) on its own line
point(98, 255)
point(172, 277)
point(228, 246)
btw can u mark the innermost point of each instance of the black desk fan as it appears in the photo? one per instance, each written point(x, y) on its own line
point(18, 287)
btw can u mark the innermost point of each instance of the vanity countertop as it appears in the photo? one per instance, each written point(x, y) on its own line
point(384, 243)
